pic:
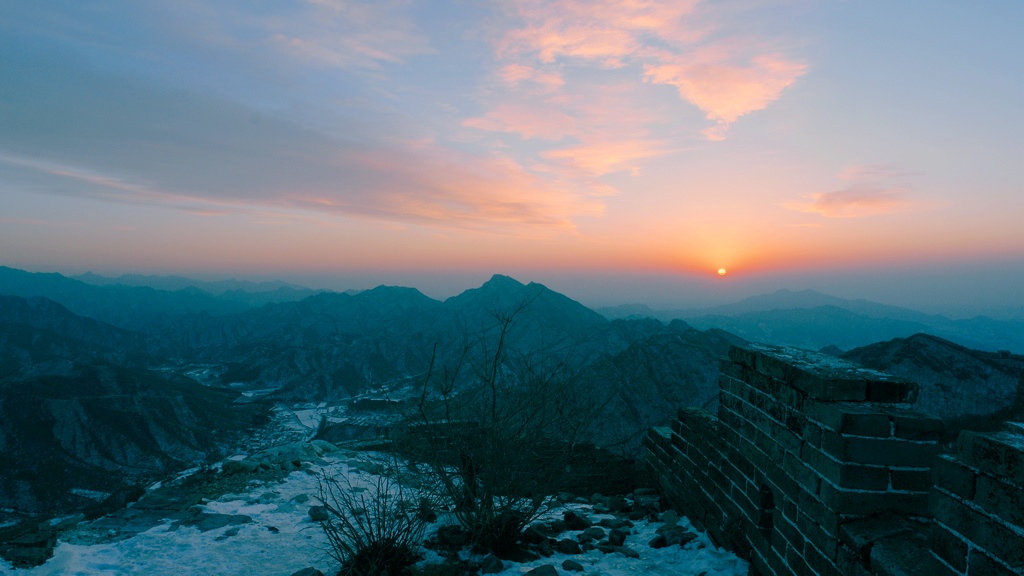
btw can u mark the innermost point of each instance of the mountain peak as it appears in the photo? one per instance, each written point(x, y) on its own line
point(501, 281)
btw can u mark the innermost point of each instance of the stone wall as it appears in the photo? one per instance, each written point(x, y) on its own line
point(816, 466)
point(978, 504)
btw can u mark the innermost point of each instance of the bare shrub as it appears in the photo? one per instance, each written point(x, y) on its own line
point(497, 446)
point(374, 530)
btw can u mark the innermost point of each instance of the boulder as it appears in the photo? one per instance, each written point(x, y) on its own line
point(533, 535)
point(569, 546)
point(491, 564)
point(627, 552)
point(545, 570)
point(308, 572)
point(617, 537)
point(572, 566)
point(615, 523)
point(575, 521)
point(675, 535)
point(318, 514)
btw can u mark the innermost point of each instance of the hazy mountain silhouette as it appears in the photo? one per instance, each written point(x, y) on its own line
point(84, 396)
point(813, 320)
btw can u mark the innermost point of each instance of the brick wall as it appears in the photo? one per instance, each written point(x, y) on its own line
point(978, 504)
point(816, 466)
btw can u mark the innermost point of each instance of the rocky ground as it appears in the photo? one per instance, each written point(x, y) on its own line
point(255, 515)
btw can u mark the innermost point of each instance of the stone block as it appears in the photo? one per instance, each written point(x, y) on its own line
point(862, 533)
point(743, 356)
point(730, 369)
point(1000, 454)
point(815, 532)
point(912, 425)
point(911, 479)
point(1001, 499)
point(984, 531)
point(906, 555)
point(861, 503)
point(788, 531)
point(950, 474)
point(948, 546)
point(849, 564)
point(845, 475)
point(801, 473)
point(982, 564)
point(880, 451)
point(821, 564)
point(891, 390)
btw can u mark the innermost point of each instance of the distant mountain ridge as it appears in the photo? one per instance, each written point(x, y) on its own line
point(813, 320)
point(955, 381)
point(116, 388)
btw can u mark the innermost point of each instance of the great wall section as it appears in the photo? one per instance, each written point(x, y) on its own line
point(814, 466)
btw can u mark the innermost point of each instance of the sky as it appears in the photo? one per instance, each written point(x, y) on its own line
point(618, 152)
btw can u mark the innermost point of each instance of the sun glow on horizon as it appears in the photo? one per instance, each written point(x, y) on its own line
point(722, 271)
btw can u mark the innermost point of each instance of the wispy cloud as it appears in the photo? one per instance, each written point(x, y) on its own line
point(667, 42)
point(127, 141)
point(350, 33)
point(872, 190)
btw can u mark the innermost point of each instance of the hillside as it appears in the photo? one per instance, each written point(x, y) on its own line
point(954, 381)
point(812, 320)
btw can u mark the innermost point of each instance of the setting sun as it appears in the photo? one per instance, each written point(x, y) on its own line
point(721, 271)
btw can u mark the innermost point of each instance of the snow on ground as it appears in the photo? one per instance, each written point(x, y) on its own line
point(282, 539)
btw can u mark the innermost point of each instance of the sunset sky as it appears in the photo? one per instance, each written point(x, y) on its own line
point(615, 151)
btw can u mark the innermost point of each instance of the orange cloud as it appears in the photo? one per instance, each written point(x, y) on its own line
point(514, 74)
point(605, 157)
point(725, 77)
point(543, 122)
point(873, 190)
point(726, 91)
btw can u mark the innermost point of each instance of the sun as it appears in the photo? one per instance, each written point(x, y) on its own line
point(721, 271)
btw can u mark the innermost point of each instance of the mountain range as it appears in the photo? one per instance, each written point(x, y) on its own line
point(812, 320)
point(106, 384)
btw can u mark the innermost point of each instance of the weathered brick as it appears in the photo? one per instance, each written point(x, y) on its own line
point(879, 451)
point(774, 388)
point(743, 356)
point(982, 530)
point(919, 480)
point(818, 375)
point(997, 453)
point(860, 535)
point(950, 474)
point(730, 369)
point(913, 425)
point(906, 554)
point(981, 564)
point(846, 502)
point(819, 562)
point(948, 546)
point(891, 390)
point(823, 516)
point(1000, 498)
point(845, 475)
point(801, 473)
point(798, 565)
point(850, 564)
point(788, 530)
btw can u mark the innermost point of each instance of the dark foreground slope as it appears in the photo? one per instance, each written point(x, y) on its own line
point(81, 415)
